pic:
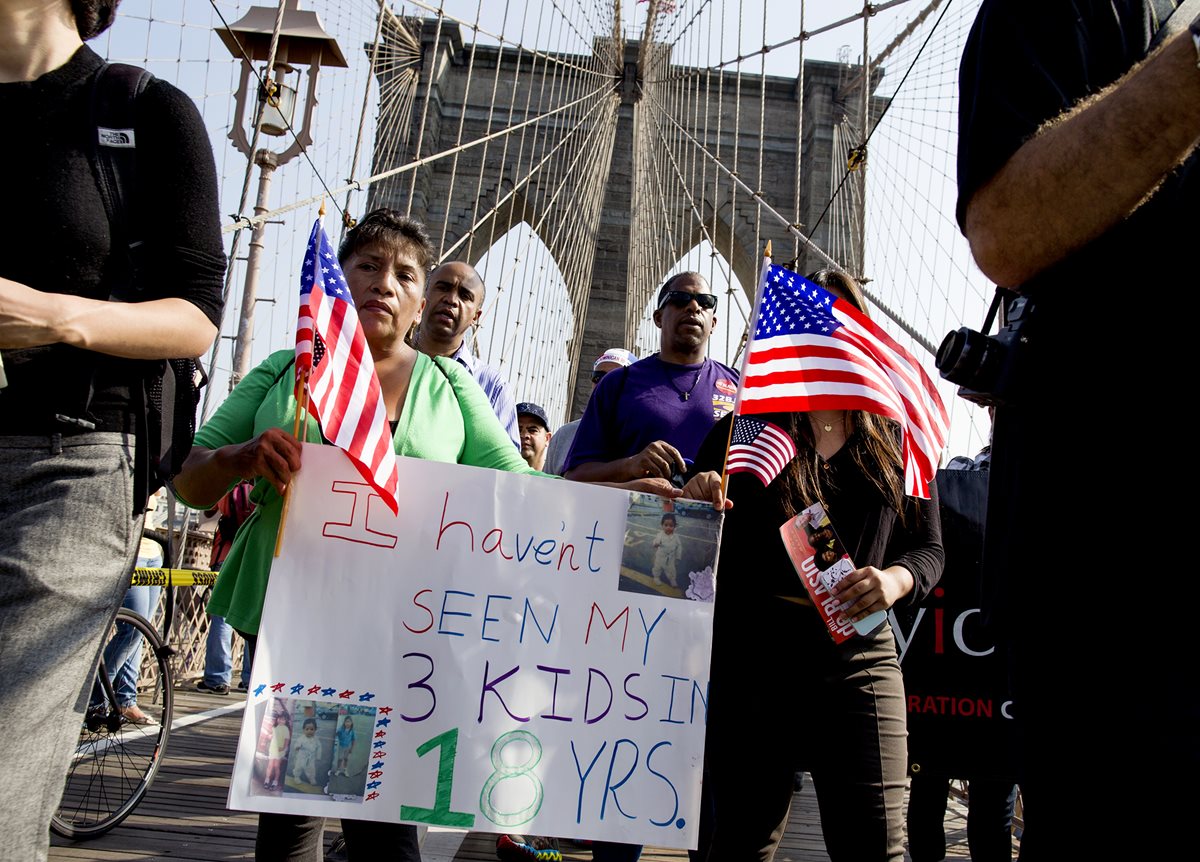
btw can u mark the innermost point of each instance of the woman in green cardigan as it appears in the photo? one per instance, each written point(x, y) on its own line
point(437, 411)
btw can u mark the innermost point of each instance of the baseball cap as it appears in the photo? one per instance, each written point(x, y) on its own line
point(619, 355)
point(531, 409)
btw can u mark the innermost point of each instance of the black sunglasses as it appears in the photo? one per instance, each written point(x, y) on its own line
point(597, 376)
point(683, 298)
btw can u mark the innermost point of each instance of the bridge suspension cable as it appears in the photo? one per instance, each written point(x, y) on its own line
point(515, 130)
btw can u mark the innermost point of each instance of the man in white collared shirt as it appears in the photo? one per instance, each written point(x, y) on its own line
point(453, 301)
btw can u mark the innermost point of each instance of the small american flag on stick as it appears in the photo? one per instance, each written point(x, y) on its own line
point(345, 394)
point(759, 447)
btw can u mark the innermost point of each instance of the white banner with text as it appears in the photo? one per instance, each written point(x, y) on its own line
point(509, 654)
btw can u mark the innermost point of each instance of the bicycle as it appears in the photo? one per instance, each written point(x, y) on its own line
point(116, 760)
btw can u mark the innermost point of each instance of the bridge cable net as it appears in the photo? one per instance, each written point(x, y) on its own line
point(512, 129)
point(718, 94)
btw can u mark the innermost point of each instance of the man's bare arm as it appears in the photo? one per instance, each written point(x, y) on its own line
point(1085, 171)
point(658, 460)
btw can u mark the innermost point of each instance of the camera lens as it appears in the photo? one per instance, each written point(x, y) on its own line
point(969, 359)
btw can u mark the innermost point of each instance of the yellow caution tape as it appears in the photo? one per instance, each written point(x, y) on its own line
point(144, 577)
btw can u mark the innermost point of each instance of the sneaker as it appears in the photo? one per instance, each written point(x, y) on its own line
point(220, 688)
point(512, 848)
point(243, 687)
point(337, 851)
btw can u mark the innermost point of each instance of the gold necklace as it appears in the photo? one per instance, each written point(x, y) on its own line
point(827, 426)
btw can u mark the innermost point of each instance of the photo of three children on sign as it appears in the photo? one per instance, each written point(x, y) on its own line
point(312, 747)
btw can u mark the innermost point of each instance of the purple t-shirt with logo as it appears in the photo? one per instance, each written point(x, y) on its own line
point(633, 407)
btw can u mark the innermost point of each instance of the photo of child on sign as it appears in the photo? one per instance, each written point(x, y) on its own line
point(670, 548)
point(274, 743)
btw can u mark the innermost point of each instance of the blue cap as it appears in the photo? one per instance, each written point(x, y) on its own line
point(528, 408)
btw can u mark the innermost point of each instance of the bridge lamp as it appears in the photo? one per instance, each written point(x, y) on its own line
point(302, 41)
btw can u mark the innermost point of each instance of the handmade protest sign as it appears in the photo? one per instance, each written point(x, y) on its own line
point(508, 653)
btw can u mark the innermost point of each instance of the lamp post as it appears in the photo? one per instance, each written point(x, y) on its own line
point(302, 40)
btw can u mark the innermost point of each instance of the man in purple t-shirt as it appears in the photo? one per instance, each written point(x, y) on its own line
point(453, 300)
point(649, 419)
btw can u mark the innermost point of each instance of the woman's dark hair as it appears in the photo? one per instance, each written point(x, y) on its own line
point(872, 441)
point(93, 17)
point(391, 230)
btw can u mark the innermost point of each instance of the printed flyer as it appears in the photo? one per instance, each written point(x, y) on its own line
point(821, 562)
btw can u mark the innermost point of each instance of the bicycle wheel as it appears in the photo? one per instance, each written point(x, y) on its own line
point(115, 761)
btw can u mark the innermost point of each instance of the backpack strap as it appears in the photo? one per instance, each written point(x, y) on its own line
point(290, 363)
point(112, 151)
point(111, 146)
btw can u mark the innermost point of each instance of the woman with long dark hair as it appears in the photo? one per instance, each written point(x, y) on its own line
point(437, 412)
point(784, 696)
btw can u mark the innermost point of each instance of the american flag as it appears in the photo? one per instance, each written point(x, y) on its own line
point(345, 394)
point(813, 351)
point(759, 447)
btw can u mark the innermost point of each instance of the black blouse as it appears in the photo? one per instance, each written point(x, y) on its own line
point(753, 562)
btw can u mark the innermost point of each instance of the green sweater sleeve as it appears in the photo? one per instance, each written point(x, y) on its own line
point(237, 419)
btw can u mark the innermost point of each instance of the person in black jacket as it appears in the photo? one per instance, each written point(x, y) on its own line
point(784, 696)
point(75, 363)
point(1080, 229)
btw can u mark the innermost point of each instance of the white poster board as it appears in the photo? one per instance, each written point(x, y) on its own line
point(509, 654)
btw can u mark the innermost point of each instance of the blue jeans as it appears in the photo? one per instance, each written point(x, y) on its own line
point(218, 654)
point(123, 654)
point(125, 648)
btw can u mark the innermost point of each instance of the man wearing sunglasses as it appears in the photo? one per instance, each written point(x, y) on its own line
point(650, 419)
point(560, 444)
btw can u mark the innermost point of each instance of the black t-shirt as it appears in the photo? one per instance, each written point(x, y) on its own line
point(754, 563)
point(58, 239)
point(1026, 63)
point(1106, 350)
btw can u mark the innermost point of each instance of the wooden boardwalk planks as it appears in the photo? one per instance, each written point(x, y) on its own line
point(184, 817)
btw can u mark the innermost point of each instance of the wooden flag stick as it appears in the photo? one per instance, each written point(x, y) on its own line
point(301, 410)
point(737, 401)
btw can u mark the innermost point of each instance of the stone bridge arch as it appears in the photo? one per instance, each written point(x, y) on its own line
point(478, 195)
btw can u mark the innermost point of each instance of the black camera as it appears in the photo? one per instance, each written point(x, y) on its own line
point(986, 367)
